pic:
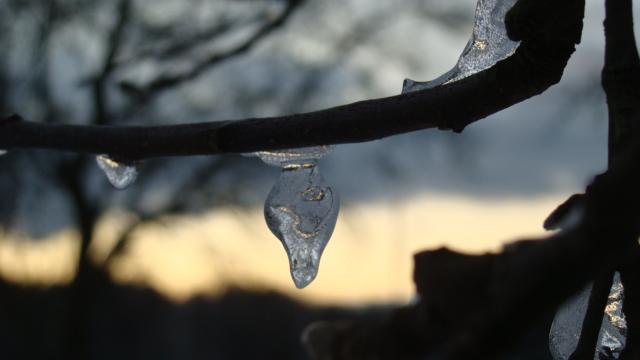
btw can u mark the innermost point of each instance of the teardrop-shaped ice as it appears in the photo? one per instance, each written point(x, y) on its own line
point(277, 157)
point(489, 44)
point(119, 175)
point(301, 210)
point(567, 325)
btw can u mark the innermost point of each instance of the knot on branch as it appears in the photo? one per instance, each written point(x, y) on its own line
point(620, 84)
point(611, 208)
point(546, 21)
point(563, 214)
point(611, 213)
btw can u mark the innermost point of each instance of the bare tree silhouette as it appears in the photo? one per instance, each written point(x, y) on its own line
point(470, 306)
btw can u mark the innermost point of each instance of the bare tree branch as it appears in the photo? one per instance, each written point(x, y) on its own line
point(179, 205)
point(170, 80)
point(547, 41)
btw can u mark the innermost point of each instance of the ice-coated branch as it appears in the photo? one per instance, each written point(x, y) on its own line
point(548, 31)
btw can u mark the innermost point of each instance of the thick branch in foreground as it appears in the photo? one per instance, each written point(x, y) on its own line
point(475, 307)
point(548, 31)
point(620, 80)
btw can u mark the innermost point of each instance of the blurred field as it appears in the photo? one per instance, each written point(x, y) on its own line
point(369, 258)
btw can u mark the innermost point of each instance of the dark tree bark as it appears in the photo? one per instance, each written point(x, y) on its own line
point(548, 32)
point(621, 81)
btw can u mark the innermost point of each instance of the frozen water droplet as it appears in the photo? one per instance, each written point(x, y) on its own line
point(301, 210)
point(277, 157)
point(567, 325)
point(489, 44)
point(119, 175)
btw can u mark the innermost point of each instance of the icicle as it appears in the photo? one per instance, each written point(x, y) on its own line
point(489, 44)
point(613, 333)
point(567, 325)
point(301, 210)
point(119, 175)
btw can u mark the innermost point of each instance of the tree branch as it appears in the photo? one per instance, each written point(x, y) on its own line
point(475, 307)
point(547, 42)
point(620, 79)
point(114, 42)
point(166, 81)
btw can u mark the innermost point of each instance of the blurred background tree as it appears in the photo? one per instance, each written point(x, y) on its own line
point(193, 226)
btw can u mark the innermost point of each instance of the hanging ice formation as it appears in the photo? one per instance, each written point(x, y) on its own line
point(119, 175)
point(489, 44)
point(301, 210)
point(567, 325)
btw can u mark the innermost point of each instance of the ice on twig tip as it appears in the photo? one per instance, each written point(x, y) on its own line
point(301, 210)
point(488, 45)
point(567, 325)
point(119, 175)
point(277, 157)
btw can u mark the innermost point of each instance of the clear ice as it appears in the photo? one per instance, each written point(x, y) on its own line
point(613, 333)
point(567, 325)
point(301, 210)
point(277, 157)
point(119, 175)
point(488, 45)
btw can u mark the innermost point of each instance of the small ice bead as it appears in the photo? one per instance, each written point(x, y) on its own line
point(119, 175)
point(277, 157)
